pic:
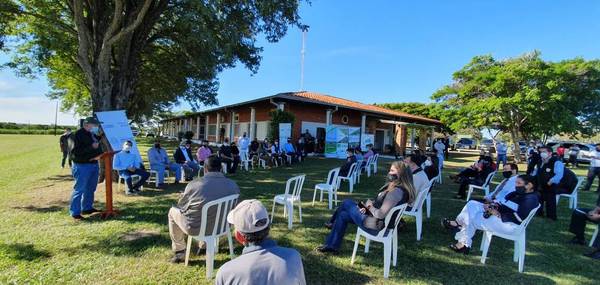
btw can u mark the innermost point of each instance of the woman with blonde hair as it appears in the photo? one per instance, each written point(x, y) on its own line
point(370, 216)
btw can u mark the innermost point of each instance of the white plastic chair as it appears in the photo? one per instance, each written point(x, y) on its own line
point(154, 176)
point(417, 209)
point(518, 237)
point(573, 196)
point(134, 178)
point(349, 177)
point(293, 188)
point(245, 161)
point(373, 164)
point(428, 198)
point(439, 177)
point(357, 171)
point(485, 187)
point(594, 235)
point(219, 208)
point(329, 186)
point(389, 238)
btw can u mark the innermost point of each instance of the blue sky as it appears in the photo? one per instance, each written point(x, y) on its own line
point(378, 51)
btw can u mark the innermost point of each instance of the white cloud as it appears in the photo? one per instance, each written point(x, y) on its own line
point(35, 110)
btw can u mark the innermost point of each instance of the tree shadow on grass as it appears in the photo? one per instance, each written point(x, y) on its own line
point(42, 209)
point(129, 244)
point(23, 252)
point(64, 177)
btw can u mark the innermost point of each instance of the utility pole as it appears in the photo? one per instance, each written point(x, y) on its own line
point(302, 52)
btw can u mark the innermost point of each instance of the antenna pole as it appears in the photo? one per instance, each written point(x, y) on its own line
point(302, 52)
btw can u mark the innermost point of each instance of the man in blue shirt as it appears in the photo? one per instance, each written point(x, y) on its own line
point(501, 150)
point(290, 150)
point(127, 164)
point(262, 261)
point(159, 162)
point(553, 178)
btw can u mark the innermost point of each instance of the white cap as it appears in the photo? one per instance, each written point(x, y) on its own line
point(249, 216)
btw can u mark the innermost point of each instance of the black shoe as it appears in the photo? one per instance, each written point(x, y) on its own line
point(464, 250)
point(188, 179)
point(91, 211)
point(179, 257)
point(78, 217)
point(325, 249)
point(578, 241)
point(593, 255)
point(446, 223)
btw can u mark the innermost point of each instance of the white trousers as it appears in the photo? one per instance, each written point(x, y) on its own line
point(471, 219)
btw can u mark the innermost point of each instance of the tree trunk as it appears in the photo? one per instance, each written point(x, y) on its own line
point(516, 148)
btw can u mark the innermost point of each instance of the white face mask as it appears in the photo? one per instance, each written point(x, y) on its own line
point(544, 155)
point(126, 148)
point(428, 163)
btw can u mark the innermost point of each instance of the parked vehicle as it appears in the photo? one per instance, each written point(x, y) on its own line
point(149, 135)
point(583, 149)
point(487, 145)
point(465, 143)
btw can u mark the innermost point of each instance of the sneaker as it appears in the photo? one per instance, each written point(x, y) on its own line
point(91, 211)
point(78, 217)
point(179, 257)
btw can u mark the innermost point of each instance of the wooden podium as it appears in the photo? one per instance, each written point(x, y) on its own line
point(109, 212)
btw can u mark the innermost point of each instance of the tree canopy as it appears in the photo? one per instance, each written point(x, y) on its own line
point(141, 55)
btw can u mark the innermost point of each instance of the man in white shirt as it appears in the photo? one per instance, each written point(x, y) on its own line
point(244, 143)
point(594, 169)
point(420, 179)
point(501, 150)
point(439, 147)
point(510, 173)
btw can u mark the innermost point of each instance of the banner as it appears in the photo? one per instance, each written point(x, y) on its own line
point(367, 139)
point(342, 141)
point(331, 141)
point(354, 137)
point(115, 126)
point(285, 132)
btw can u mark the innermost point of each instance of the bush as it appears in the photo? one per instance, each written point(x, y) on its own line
point(279, 116)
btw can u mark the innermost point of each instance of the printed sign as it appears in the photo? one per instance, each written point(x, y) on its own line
point(285, 132)
point(115, 126)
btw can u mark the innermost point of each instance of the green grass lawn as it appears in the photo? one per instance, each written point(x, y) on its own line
point(40, 243)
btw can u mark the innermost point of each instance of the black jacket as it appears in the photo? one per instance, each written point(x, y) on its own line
point(180, 158)
point(546, 171)
point(64, 142)
point(526, 202)
point(80, 146)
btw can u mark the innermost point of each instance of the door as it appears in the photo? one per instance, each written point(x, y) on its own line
point(379, 140)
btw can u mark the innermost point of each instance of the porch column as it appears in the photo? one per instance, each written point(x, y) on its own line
point(198, 127)
point(423, 133)
point(218, 139)
point(363, 125)
point(412, 138)
point(400, 139)
point(252, 123)
point(206, 127)
point(328, 117)
point(231, 126)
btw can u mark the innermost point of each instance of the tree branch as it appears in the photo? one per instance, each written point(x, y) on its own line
point(130, 28)
point(84, 41)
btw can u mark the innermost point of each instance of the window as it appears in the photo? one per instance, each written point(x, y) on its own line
point(345, 119)
point(236, 118)
point(212, 129)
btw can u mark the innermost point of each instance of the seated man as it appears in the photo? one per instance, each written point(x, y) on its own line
point(186, 217)
point(254, 146)
point(475, 175)
point(128, 164)
point(502, 217)
point(275, 152)
point(350, 159)
point(262, 261)
point(579, 219)
point(510, 173)
point(203, 152)
point(159, 162)
point(290, 151)
point(431, 166)
point(420, 179)
point(243, 143)
point(227, 156)
point(183, 157)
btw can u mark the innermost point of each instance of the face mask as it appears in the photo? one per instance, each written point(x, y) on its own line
point(428, 163)
point(544, 155)
point(392, 177)
point(520, 189)
point(94, 130)
point(126, 148)
point(507, 174)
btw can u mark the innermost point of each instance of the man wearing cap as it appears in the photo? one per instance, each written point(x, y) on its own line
point(128, 163)
point(85, 152)
point(183, 156)
point(159, 162)
point(262, 261)
point(185, 218)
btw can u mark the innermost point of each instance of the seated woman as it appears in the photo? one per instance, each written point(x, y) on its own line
point(502, 216)
point(476, 175)
point(397, 191)
point(431, 166)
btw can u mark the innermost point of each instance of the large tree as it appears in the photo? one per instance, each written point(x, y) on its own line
point(138, 55)
point(523, 96)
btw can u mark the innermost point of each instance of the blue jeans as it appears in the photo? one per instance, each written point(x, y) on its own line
point(160, 169)
point(501, 158)
point(127, 175)
point(86, 179)
point(191, 169)
point(348, 212)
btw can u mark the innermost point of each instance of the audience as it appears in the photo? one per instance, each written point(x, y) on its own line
point(594, 170)
point(533, 158)
point(579, 220)
point(420, 179)
point(183, 157)
point(350, 159)
point(290, 151)
point(159, 162)
point(127, 164)
point(254, 147)
point(275, 152)
point(572, 154)
point(552, 178)
point(203, 152)
point(501, 150)
point(475, 174)
point(185, 218)
point(262, 261)
point(500, 217)
point(439, 147)
point(398, 190)
point(431, 166)
point(227, 156)
point(510, 172)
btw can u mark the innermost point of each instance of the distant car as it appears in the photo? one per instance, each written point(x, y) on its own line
point(583, 149)
point(465, 143)
point(487, 145)
point(149, 135)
